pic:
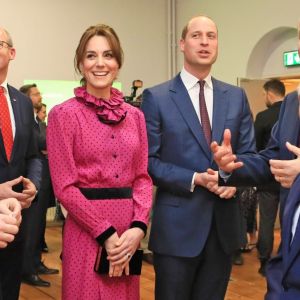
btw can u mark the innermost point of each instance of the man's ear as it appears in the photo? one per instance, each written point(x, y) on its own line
point(12, 53)
point(181, 45)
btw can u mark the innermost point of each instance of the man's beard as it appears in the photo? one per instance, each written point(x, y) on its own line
point(37, 105)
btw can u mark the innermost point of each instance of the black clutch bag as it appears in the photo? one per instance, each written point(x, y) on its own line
point(135, 264)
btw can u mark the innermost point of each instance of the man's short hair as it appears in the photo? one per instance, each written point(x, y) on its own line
point(275, 86)
point(25, 89)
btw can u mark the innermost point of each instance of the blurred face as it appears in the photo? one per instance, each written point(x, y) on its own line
point(267, 98)
point(299, 38)
point(36, 98)
point(6, 55)
point(200, 46)
point(99, 67)
point(42, 114)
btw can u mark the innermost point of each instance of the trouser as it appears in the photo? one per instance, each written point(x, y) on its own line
point(202, 277)
point(268, 207)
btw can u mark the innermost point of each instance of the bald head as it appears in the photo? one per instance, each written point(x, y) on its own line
point(7, 53)
point(186, 27)
point(7, 37)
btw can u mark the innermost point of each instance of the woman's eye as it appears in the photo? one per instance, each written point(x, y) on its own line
point(108, 55)
point(90, 56)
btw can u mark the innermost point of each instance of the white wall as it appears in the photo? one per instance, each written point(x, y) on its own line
point(241, 25)
point(46, 34)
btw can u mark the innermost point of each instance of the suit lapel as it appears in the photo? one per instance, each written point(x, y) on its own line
point(184, 104)
point(291, 129)
point(290, 251)
point(220, 108)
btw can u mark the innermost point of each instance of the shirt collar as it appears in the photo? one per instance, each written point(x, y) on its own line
point(4, 84)
point(190, 80)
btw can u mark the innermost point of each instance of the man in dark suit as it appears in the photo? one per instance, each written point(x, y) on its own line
point(194, 231)
point(46, 185)
point(283, 271)
point(268, 195)
point(32, 262)
point(280, 160)
point(18, 162)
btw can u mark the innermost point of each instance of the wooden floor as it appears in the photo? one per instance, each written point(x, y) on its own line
point(245, 282)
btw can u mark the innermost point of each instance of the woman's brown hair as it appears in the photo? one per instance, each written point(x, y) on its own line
point(101, 30)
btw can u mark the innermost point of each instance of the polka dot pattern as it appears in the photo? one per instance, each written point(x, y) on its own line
point(84, 152)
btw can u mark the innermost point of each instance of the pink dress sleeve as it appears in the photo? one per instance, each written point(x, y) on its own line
point(142, 185)
point(61, 131)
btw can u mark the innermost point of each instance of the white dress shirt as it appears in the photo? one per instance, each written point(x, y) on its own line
point(191, 83)
point(295, 221)
point(11, 113)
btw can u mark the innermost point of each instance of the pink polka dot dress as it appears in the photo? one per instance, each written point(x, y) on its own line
point(86, 153)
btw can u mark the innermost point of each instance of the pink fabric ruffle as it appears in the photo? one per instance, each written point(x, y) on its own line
point(110, 111)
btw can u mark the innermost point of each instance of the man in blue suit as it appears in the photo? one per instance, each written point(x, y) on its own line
point(194, 231)
point(283, 272)
point(20, 169)
point(280, 160)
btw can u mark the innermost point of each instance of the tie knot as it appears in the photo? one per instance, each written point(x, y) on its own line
point(201, 83)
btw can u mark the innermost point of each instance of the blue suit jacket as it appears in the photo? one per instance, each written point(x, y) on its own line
point(283, 272)
point(177, 148)
point(256, 169)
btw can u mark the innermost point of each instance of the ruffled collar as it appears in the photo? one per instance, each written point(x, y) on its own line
point(109, 111)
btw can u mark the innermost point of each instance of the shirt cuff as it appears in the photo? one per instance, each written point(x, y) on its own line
point(224, 175)
point(193, 183)
point(105, 235)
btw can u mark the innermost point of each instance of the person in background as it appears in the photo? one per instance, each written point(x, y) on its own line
point(42, 113)
point(97, 149)
point(268, 195)
point(46, 183)
point(33, 266)
point(182, 115)
point(20, 168)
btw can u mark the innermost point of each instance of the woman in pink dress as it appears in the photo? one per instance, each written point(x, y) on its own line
point(97, 148)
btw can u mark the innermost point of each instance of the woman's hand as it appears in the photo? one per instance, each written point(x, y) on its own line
point(126, 246)
point(111, 244)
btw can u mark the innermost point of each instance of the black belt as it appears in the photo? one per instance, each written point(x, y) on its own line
point(106, 193)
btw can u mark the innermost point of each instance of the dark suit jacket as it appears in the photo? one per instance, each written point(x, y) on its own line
point(256, 169)
point(283, 273)
point(46, 183)
point(263, 125)
point(177, 148)
point(24, 159)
